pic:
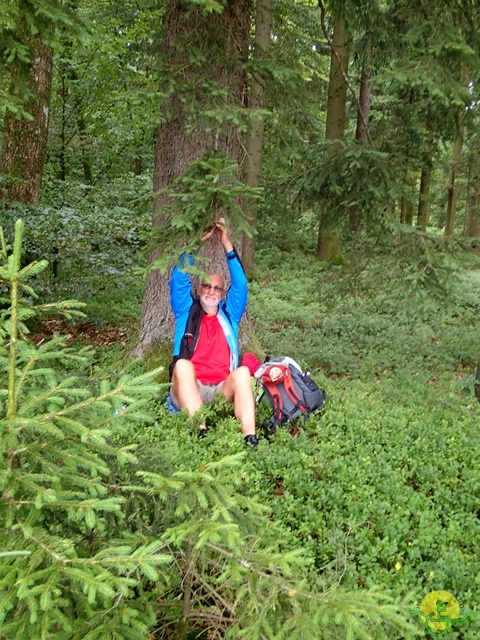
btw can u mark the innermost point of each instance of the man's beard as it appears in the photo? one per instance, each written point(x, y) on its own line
point(209, 304)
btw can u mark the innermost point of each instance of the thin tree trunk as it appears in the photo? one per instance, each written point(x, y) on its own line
point(328, 241)
point(138, 164)
point(337, 87)
point(361, 135)
point(254, 144)
point(25, 141)
point(363, 111)
point(424, 195)
point(406, 207)
point(456, 161)
point(452, 187)
point(86, 155)
point(183, 627)
point(472, 222)
point(407, 211)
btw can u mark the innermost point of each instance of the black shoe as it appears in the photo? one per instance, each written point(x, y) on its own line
point(251, 441)
point(202, 433)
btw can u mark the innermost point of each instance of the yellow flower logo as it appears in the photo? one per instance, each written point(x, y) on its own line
point(441, 610)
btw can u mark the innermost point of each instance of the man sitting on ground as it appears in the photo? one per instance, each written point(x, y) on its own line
point(205, 348)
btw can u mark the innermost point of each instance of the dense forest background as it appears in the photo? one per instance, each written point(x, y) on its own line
point(340, 141)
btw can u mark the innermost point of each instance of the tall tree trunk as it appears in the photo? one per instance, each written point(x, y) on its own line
point(254, 144)
point(406, 206)
point(407, 211)
point(456, 160)
point(185, 134)
point(337, 86)
point(327, 242)
point(472, 222)
point(424, 195)
point(86, 154)
point(361, 135)
point(452, 187)
point(363, 111)
point(25, 141)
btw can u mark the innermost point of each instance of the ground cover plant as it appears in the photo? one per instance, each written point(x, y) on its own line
point(109, 531)
point(378, 495)
point(383, 487)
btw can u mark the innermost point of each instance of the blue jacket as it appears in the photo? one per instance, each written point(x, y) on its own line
point(187, 309)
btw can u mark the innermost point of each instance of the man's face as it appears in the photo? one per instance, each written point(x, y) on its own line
point(211, 291)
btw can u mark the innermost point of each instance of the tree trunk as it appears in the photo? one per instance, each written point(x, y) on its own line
point(472, 222)
point(337, 87)
point(363, 113)
point(185, 132)
point(407, 211)
point(327, 242)
point(456, 160)
point(424, 196)
point(85, 147)
point(452, 187)
point(406, 207)
point(254, 144)
point(25, 141)
point(361, 135)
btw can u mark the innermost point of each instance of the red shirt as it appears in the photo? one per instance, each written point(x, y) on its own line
point(212, 354)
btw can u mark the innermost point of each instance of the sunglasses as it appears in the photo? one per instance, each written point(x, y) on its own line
point(206, 287)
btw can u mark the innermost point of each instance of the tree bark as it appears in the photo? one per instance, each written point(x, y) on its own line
point(25, 141)
point(327, 242)
point(407, 211)
point(424, 195)
point(472, 222)
point(452, 187)
point(406, 207)
point(197, 48)
point(337, 86)
point(361, 135)
point(363, 111)
point(456, 161)
point(254, 144)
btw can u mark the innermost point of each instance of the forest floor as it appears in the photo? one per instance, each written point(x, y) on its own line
point(381, 488)
point(98, 335)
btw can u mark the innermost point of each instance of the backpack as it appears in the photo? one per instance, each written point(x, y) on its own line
point(290, 391)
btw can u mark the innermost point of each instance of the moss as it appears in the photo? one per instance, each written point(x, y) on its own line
point(159, 355)
point(327, 246)
point(339, 260)
point(249, 343)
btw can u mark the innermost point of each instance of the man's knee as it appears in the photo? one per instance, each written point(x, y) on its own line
point(242, 378)
point(183, 369)
point(243, 373)
point(184, 390)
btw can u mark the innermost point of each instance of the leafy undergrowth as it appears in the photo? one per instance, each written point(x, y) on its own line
point(383, 487)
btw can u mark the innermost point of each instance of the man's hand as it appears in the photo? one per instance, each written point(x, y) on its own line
point(222, 234)
point(207, 233)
